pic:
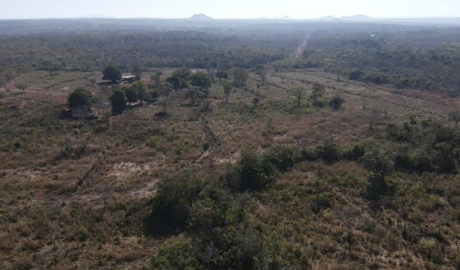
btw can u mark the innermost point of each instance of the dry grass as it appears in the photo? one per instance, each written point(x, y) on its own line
point(86, 212)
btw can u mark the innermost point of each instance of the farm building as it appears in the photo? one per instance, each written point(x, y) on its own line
point(128, 78)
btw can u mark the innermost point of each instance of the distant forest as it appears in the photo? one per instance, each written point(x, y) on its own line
point(421, 57)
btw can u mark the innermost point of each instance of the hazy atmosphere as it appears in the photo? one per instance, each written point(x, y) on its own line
point(237, 9)
point(236, 135)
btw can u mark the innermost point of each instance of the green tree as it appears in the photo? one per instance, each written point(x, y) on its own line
point(22, 86)
point(298, 93)
point(80, 97)
point(201, 80)
point(177, 83)
point(172, 204)
point(222, 75)
point(156, 77)
point(227, 90)
point(412, 116)
point(165, 90)
point(111, 73)
point(154, 95)
point(130, 94)
point(194, 93)
point(141, 91)
point(183, 73)
point(118, 100)
point(318, 91)
point(380, 165)
point(137, 71)
point(355, 75)
point(455, 117)
point(240, 76)
point(336, 102)
point(262, 72)
point(100, 101)
point(92, 80)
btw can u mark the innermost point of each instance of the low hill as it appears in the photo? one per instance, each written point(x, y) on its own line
point(200, 17)
point(357, 18)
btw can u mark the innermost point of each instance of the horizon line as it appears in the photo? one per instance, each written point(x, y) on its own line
point(283, 18)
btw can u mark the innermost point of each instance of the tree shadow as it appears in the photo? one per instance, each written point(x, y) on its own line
point(107, 83)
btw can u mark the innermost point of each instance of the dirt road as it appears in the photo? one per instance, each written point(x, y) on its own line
point(302, 47)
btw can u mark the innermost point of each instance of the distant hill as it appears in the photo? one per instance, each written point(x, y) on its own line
point(200, 17)
point(327, 18)
point(357, 18)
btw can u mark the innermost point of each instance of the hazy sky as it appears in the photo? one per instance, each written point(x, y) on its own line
point(18, 9)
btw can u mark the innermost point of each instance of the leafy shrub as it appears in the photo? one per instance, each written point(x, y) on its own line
point(252, 173)
point(310, 154)
point(80, 97)
point(418, 163)
point(377, 162)
point(355, 75)
point(111, 73)
point(217, 209)
point(172, 204)
point(79, 233)
point(376, 187)
point(318, 103)
point(324, 202)
point(130, 93)
point(18, 145)
point(329, 151)
point(175, 255)
point(396, 134)
point(71, 152)
point(118, 100)
point(336, 102)
point(457, 261)
point(444, 159)
point(255, 172)
point(205, 107)
point(432, 251)
point(282, 157)
point(356, 152)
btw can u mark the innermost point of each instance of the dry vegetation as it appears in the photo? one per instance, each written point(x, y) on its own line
point(74, 194)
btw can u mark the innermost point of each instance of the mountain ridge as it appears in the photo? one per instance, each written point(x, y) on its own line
point(200, 17)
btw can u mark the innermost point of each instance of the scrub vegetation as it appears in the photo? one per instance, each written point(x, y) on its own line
point(229, 150)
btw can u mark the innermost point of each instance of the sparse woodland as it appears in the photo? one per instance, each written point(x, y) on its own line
point(227, 152)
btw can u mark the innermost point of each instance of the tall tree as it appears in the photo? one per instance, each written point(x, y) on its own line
point(111, 73)
point(240, 76)
point(100, 101)
point(298, 93)
point(118, 100)
point(227, 90)
point(80, 97)
point(201, 80)
point(137, 71)
point(222, 75)
point(165, 90)
point(22, 85)
point(336, 102)
point(130, 94)
point(318, 91)
point(183, 73)
point(156, 77)
point(455, 117)
point(140, 90)
point(194, 93)
point(262, 72)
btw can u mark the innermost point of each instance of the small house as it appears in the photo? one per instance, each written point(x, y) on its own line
point(128, 78)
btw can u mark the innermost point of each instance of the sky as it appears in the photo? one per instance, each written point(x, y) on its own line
point(226, 9)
